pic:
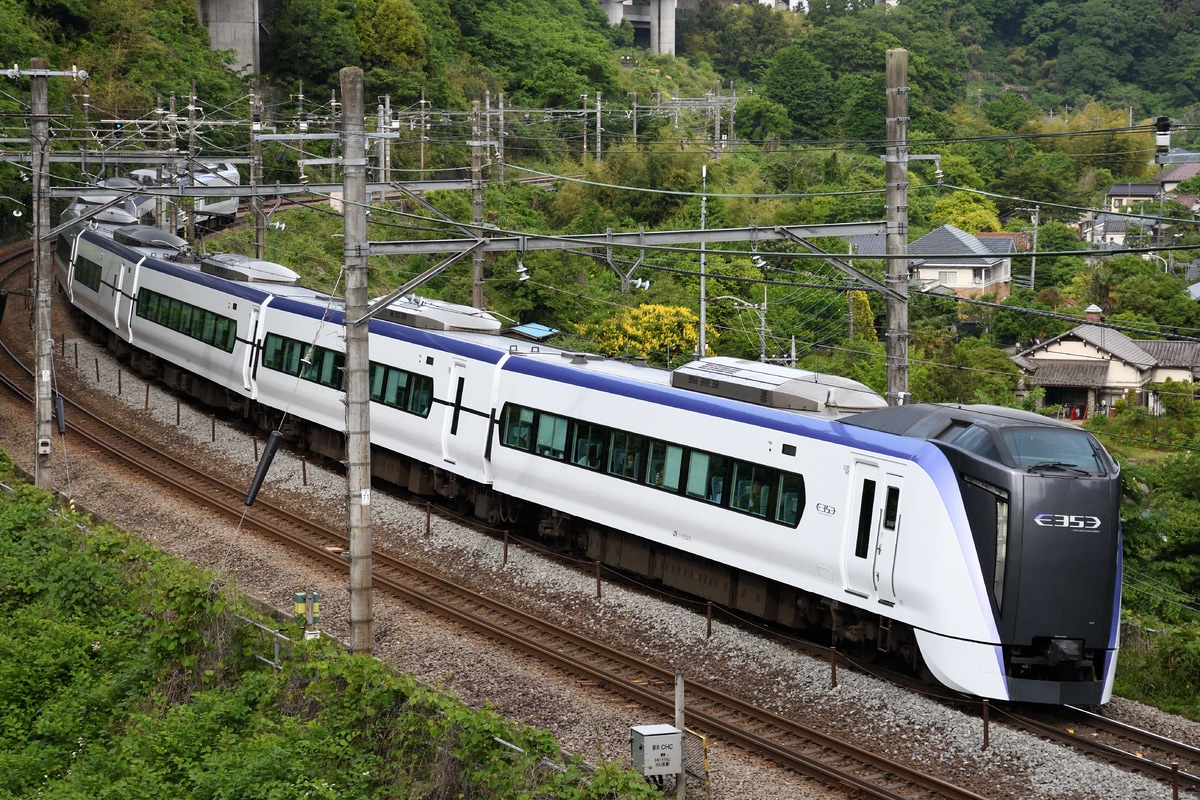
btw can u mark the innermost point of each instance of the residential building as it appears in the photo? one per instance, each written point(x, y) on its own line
point(1090, 367)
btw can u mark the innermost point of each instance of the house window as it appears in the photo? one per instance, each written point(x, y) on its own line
point(947, 277)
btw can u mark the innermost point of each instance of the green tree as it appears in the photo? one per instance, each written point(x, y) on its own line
point(1048, 177)
point(1022, 328)
point(863, 318)
point(801, 84)
point(311, 40)
point(395, 54)
point(761, 120)
point(966, 211)
point(659, 333)
point(861, 115)
point(970, 371)
point(1009, 112)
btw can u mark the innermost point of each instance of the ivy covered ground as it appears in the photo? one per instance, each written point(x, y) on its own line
point(126, 673)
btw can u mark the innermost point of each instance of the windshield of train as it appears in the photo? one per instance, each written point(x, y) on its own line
point(1051, 449)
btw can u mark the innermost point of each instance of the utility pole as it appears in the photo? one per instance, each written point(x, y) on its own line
point(732, 109)
point(476, 207)
point(701, 345)
point(598, 129)
point(1037, 215)
point(173, 129)
point(191, 163)
point(635, 139)
point(762, 328)
point(423, 127)
point(896, 176)
point(260, 221)
point(158, 169)
point(500, 140)
point(43, 346)
point(358, 405)
point(717, 117)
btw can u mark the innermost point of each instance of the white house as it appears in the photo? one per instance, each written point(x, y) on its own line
point(950, 258)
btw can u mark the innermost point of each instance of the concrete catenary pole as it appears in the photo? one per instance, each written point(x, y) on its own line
point(358, 406)
point(43, 346)
point(256, 175)
point(476, 206)
point(896, 177)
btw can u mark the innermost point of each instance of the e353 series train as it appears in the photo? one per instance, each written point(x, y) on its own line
point(979, 542)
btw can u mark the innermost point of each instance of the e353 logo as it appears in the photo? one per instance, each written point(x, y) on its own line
point(1077, 521)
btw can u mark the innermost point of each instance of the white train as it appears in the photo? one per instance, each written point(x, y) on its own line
point(211, 212)
point(978, 542)
point(135, 208)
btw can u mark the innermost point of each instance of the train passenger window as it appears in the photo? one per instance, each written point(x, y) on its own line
point(89, 273)
point(706, 476)
point(184, 322)
point(552, 436)
point(665, 467)
point(192, 321)
point(752, 488)
point(208, 328)
point(333, 369)
point(174, 309)
point(282, 354)
point(395, 388)
point(588, 448)
point(515, 427)
point(625, 454)
point(420, 399)
point(226, 334)
point(790, 503)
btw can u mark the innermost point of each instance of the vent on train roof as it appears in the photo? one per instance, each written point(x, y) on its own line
point(237, 267)
point(438, 315)
point(776, 386)
point(146, 236)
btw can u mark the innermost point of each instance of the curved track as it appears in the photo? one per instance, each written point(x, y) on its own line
point(1105, 739)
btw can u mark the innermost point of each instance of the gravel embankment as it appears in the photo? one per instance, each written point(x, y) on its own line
point(586, 721)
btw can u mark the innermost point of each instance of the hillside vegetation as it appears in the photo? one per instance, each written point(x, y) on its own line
point(127, 674)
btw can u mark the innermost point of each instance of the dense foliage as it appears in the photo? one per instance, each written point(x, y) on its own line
point(126, 674)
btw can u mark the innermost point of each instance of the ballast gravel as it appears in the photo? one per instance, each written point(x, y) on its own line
point(587, 721)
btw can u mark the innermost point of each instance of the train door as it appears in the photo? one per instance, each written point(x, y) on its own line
point(252, 337)
point(132, 291)
point(118, 290)
point(453, 407)
point(862, 525)
point(888, 539)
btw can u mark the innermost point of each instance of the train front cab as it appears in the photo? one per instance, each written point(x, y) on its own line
point(1047, 530)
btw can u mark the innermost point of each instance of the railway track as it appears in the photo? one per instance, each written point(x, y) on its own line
point(1137, 750)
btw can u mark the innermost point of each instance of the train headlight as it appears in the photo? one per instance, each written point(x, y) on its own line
point(1001, 548)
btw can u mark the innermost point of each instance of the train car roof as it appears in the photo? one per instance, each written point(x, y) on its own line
point(931, 420)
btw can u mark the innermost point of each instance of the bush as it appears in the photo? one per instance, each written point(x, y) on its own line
point(126, 673)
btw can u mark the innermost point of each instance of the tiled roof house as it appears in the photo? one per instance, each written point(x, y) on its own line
point(965, 264)
point(1090, 367)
